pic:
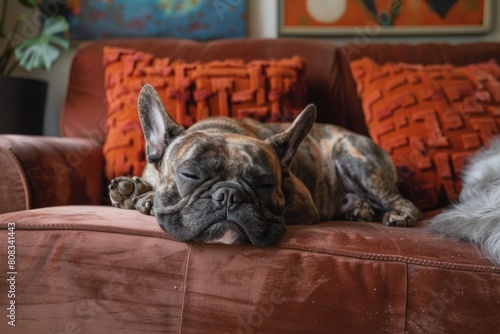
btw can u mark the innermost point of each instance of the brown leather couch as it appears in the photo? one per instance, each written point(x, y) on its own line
point(82, 266)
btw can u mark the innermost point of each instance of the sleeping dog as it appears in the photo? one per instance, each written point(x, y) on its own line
point(240, 181)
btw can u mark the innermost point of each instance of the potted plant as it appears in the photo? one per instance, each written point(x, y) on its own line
point(35, 42)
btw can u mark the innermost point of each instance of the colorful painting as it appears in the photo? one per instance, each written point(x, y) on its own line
point(194, 19)
point(384, 17)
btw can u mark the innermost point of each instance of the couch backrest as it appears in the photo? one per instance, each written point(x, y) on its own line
point(328, 78)
point(85, 106)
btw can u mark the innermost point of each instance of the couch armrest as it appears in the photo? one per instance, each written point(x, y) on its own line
point(46, 171)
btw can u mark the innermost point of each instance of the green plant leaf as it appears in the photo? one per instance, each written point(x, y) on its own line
point(40, 52)
point(29, 3)
point(55, 25)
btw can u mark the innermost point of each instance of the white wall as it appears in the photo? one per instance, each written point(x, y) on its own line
point(262, 18)
point(262, 23)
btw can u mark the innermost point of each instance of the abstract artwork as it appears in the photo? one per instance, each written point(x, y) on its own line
point(194, 19)
point(384, 17)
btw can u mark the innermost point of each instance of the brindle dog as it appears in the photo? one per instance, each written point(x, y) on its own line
point(239, 181)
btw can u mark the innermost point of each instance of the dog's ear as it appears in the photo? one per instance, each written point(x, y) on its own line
point(158, 127)
point(287, 142)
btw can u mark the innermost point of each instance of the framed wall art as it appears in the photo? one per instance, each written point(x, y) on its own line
point(384, 17)
point(194, 19)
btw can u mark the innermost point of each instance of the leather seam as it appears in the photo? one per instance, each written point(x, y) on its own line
point(22, 174)
point(399, 258)
point(363, 256)
point(406, 299)
point(184, 288)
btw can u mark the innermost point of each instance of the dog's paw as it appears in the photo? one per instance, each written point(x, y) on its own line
point(132, 193)
point(360, 210)
point(145, 202)
point(402, 213)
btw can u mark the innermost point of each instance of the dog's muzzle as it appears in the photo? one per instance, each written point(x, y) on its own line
point(227, 195)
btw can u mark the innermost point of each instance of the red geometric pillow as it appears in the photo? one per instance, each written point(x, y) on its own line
point(267, 90)
point(429, 119)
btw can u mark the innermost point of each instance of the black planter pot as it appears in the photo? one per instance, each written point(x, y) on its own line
point(22, 105)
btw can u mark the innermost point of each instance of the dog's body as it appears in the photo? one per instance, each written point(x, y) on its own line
point(476, 217)
point(235, 181)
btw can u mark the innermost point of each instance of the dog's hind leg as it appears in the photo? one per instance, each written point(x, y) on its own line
point(132, 193)
point(356, 208)
point(368, 172)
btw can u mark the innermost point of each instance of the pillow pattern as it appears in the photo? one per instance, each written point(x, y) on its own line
point(267, 90)
point(429, 119)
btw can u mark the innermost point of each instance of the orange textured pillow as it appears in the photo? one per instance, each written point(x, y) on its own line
point(268, 90)
point(430, 119)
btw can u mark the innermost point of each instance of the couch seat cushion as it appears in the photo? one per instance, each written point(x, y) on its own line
point(112, 269)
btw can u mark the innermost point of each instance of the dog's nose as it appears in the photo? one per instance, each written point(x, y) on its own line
point(227, 196)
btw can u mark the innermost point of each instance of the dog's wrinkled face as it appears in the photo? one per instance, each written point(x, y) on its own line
point(213, 190)
point(215, 186)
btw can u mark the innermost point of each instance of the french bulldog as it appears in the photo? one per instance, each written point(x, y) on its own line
point(240, 181)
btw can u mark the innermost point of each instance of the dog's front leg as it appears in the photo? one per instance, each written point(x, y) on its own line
point(132, 193)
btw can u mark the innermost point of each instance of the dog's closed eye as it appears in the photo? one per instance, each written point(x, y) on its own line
point(190, 176)
point(266, 185)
